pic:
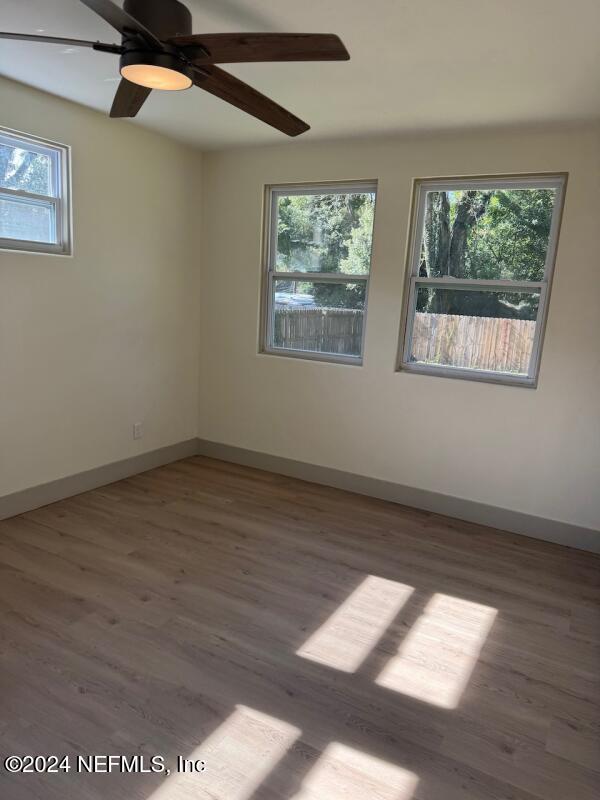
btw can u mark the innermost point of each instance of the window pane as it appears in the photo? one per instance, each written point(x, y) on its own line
point(481, 330)
point(26, 220)
point(318, 316)
point(325, 232)
point(26, 170)
point(499, 234)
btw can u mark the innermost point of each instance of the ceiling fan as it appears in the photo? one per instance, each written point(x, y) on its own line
point(159, 51)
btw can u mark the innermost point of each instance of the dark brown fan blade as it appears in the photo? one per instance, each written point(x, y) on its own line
point(122, 21)
point(34, 37)
point(231, 48)
point(129, 99)
point(239, 94)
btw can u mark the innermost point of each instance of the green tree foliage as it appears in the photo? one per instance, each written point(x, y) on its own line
point(499, 235)
point(512, 241)
point(474, 234)
point(327, 233)
point(358, 259)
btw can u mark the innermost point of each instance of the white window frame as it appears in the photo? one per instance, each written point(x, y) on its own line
point(60, 159)
point(421, 186)
point(271, 274)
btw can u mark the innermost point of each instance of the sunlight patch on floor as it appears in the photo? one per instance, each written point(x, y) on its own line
point(438, 655)
point(353, 630)
point(342, 773)
point(239, 755)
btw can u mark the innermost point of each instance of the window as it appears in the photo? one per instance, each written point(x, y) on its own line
point(479, 272)
point(34, 195)
point(318, 258)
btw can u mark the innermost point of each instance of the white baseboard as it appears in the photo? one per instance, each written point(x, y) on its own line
point(549, 530)
point(42, 495)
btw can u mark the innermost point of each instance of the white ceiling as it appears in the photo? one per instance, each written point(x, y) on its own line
point(415, 65)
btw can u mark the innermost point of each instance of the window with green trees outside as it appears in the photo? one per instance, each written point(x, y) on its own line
point(318, 260)
point(481, 258)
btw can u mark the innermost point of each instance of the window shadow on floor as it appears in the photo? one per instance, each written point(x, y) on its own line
point(139, 617)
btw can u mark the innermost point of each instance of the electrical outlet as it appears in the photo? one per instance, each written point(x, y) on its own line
point(138, 430)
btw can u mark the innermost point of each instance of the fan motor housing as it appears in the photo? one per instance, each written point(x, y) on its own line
point(166, 59)
point(165, 18)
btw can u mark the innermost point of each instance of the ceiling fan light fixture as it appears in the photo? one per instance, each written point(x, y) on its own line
point(159, 71)
point(153, 77)
point(159, 51)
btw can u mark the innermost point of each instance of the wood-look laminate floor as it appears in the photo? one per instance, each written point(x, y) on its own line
point(303, 642)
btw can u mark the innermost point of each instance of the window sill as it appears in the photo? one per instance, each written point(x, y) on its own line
point(34, 248)
point(309, 355)
point(460, 373)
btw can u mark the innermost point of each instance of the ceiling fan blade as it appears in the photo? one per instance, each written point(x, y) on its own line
point(122, 21)
point(129, 99)
point(239, 94)
point(27, 37)
point(231, 48)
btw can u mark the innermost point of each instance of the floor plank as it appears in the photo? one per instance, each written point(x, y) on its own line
point(304, 642)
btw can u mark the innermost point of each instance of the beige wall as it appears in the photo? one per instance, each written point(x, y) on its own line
point(91, 344)
point(535, 451)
